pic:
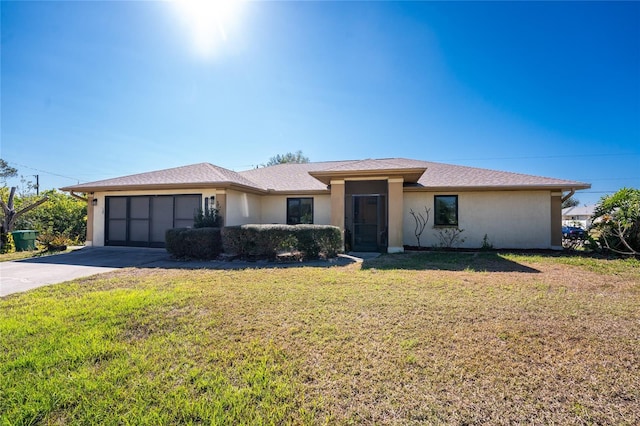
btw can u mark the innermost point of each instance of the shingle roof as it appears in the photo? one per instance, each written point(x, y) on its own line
point(296, 177)
point(376, 164)
point(438, 176)
point(290, 177)
point(195, 174)
point(579, 211)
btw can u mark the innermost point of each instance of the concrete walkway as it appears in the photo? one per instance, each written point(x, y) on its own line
point(23, 275)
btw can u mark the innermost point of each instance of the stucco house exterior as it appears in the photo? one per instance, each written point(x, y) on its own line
point(369, 199)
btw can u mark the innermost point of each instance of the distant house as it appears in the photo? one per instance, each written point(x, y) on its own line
point(369, 200)
point(580, 216)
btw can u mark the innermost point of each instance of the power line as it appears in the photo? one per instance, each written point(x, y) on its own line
point(537, 157)
point(596, 192)
point(616, 178)
point(44, 171)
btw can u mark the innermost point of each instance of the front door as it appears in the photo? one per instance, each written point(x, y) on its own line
point(369, 222)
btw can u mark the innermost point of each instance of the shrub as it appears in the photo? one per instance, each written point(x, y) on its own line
point(318, 240)
point(197, 243)
point(54, 242)
point(61, 215)
point(266, 241)
point(617, 218)
point(486, 244)
point(8, 245)
point(449, 237)
point(209, 218)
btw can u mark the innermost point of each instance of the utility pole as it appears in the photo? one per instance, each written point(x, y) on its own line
point(37, 184)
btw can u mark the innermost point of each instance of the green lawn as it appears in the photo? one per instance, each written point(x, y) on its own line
point(447, 338)
point(19, 255)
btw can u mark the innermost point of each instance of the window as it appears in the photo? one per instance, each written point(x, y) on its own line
point(446, 210)
point(299, 210)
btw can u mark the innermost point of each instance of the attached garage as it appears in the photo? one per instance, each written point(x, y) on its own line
point(142, 221)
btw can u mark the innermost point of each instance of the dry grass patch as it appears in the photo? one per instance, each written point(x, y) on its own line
point(19, 255)
point(448, 339)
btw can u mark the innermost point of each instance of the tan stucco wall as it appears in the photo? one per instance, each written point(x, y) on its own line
point(238, 208)
point(555, 214)
point(396, 217)
point(274, 208)
point(337, 203)
point(242, 208)
point(511, 219)
point(90, 209)
point(99, 210)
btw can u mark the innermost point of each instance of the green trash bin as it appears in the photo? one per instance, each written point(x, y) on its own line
point(25, 240)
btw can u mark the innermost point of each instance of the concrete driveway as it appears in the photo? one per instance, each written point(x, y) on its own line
point(26, 274)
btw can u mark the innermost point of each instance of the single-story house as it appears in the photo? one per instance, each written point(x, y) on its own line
point(370, 200)
point(580, 216)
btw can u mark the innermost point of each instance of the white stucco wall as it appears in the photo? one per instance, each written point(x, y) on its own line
point(242, 208)
point(510, 219)
point(99, 209)
point(274, 208)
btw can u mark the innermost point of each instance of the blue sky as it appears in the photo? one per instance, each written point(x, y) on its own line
point(93, 90)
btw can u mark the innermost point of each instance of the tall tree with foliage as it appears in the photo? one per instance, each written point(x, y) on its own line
point(11, 213)
point(289, 157)
point(6, 171)
point(63, 216)
point(570, 202)
point(617, 217)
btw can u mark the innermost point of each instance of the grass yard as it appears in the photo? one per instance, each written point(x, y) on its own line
point(19, 255)
point(430, 338)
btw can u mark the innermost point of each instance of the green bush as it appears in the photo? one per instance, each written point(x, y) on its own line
point(266, 241)
point(209, 218)
point(54, 242)
point(8, 245)
point(617, 218)
point(61, 215)
point(197, 243)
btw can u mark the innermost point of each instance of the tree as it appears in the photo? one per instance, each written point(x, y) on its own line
point(570, 202)
point(617, 217)
point(63, 216)
point(11, 213)
point(289, 157)
point(14, 208)
point(6, 171)
point(421, 221)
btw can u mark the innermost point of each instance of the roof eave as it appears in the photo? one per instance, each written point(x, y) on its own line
point(299, 192)
point(543, 187)
point(164, 186)
point(408, 174)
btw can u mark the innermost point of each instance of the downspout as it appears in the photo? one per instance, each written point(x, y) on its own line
point(569, 195)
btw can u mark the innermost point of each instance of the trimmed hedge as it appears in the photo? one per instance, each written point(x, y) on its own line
point(194, 243)
point(266, 241)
